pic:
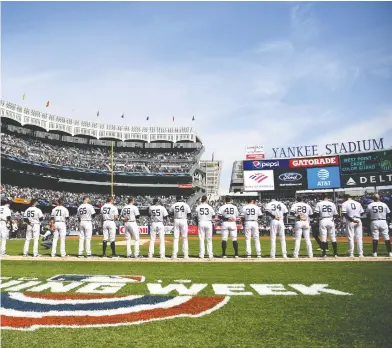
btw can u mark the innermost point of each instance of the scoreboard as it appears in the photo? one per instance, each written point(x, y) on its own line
point(328, 172)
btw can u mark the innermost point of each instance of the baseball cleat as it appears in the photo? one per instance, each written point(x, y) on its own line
point(336, 255)
point(351, 255)
point(173, 257)
point(53, 255)
point(325, 256)
point(211, 256)
point(272, 256)
point(310, 256)
point(224, 257)
point(390, 254)
point(64, 255)
point(360, 255)
point(258, 256)
point(150, 256)
point(163, 257)
point(201, 256)
point(186, 256)
point(25, 255)
point(81, 256)
point(236, 256)
point(4, 255)
point(115, 256)
point(285, 256)
point(37, 255)
point(249, 256)
point(374, 254)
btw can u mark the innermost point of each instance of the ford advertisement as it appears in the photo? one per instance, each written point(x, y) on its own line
point(290, 179)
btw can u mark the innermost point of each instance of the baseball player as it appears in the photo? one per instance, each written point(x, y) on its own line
point(303, 212)
point(204, 216)
point(277, 211)
point(5, 226)
point(378, 213)
point(352, 212)
point(130, 215)
point(181, 213)
point(109, 215)
point(59, 216)
point(228, 213)
point(326, 212)
point(250, 214)
point(85, 215)
point(158, 213)
point(33, 217)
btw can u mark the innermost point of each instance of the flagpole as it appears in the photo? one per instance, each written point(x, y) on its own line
point(112, 176)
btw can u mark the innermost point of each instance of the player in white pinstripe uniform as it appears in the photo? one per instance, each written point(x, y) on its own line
point(109, 216)
point(158, 213)
point(33, 217)
point(5, 226)
point(250, 214)
point(85, 215)
point(59, 216)
point(303, 212)
point(181, 213)
point(130, 215)
point(204, 216)
point(228, 213)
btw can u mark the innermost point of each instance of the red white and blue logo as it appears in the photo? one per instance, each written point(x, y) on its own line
point(258, 177)
point(256, 164)
point(31, 311)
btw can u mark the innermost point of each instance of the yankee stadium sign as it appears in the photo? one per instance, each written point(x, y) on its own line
point(330, 149)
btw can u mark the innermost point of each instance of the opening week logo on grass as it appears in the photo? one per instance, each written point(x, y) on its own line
point(77, 301)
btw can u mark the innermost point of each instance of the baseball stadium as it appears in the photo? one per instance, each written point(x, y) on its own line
point(128, 232)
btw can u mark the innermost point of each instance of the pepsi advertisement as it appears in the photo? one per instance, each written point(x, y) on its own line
point(266, 164)
point(290, 179)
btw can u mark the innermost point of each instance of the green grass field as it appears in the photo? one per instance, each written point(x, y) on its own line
point(326, 320)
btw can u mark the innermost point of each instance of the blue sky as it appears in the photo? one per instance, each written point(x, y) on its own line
point(277, 74)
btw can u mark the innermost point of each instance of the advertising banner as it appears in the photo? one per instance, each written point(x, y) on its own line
point(142, 230)
point(218, 228)
point(290, 179)
point(323, 178)
point(367, 179)
point(262, 180)
point(254, 152)
point(192, 229)
point(21, 200)
point(314, 162)
point(374, 162)
point(266, 164)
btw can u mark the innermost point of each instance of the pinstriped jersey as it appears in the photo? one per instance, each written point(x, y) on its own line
point(352, 208)
point(301, 209)
point(326, 209)
point(109, 211)
point(60, 213)
point(85, 212)
point(251, 212)
point(378, 211)
point(180, 210)
point(33, 214)
point(277, 209)
point(4, 212)
point(157, 213)
point(229, 211)
point(205, 212)
point(130, 212)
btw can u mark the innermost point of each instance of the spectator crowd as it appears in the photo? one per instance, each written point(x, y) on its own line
point(98, 157)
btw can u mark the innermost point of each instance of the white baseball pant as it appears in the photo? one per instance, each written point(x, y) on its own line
point(109, 231)
point(4, 235)
point(327, 227)
point(60, 231)
point(132, 231)
point(205, 232)
point(32, 232)
point(85, 234)
point(229, 227)
point(277, 227)
point(180, 226)
point(157, 228)
point(252, 231)
point(379, 227)
point(302, 228)
point(354, 230)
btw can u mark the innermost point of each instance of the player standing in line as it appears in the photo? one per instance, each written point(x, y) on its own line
point(277, 211)
point(204, 216)
point(352, 212)
point(109, 216)
point(130, 215)
point(326, 212)
point(5, 226)
point(378, 213)
point(228, 213)
point(181, 213)
point(33, 217)
point(59, 216)
point(250, 214)
point(85, 215)
point(303, 212)
point(158, 213)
